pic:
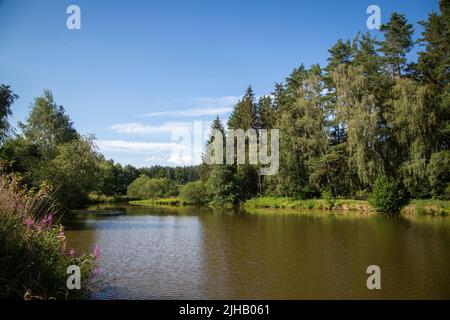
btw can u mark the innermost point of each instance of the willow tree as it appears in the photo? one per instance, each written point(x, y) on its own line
point(413, 121)
point(357, 107)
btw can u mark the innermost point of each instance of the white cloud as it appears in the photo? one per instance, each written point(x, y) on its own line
point(155, 152)
point(190, 113)
point(135, 147)
point(139, 128)
point(206, 106)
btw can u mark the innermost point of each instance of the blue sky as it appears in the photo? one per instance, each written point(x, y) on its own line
point(138, 70)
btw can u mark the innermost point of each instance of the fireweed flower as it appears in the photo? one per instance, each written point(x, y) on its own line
point(96, 251)
point(29, 222)
point(47, 221)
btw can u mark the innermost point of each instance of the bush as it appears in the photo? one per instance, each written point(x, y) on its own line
point(146, 188)
point(362, 195)
point(194, 192)
point(386, 195)
point(33, 255)
point(439, 174)
point(330, 201)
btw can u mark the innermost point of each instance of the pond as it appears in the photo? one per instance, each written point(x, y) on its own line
point(197, 253)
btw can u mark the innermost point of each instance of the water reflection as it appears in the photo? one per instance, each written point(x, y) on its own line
point(195, 253)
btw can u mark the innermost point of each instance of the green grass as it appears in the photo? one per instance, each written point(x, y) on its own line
point(415, 207)
point(427, 207)
point(173, 201)
point(308, 204)
point(101, 198)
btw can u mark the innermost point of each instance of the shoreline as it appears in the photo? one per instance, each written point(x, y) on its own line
point(415, 207)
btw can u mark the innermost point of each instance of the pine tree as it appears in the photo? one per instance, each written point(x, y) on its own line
point(397, 42)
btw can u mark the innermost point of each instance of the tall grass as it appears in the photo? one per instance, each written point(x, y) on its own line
point(33, 253)
point(305, 204)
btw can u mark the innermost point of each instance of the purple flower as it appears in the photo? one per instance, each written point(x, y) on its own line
point(29, 222)
point(47, 221)
point(96, 251)
point(71, 253)
point(61, 235)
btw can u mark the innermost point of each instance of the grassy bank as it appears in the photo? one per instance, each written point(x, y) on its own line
point(414, 207)
point(94, 198)
point(307, 204)
point(427, 207)
point(173, 201)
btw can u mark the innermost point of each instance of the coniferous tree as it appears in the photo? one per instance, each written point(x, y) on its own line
point(397, 42)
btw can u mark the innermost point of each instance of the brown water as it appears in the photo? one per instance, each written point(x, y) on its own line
point(192, 253)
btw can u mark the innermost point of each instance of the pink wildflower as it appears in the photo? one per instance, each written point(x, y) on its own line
point(72, 253)
point(61, 235)
point(96, 251)
point(29, 222)
point(47, 221)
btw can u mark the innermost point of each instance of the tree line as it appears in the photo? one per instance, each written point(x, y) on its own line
point(49, 151)
point(369, 114)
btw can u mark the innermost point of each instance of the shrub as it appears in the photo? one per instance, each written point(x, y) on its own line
point(146, 188)
point(330, 201)
point(194, 192)
point(439, 174)
point(33, 255)
point(386, 195)
point(362, 195)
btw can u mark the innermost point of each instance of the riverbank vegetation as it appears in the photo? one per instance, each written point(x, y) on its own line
point(33, 253)
point(370, 124)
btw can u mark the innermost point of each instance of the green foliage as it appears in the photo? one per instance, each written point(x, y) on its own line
point(194, 192)
point(386, 195)
point(397, 42)
point(47, 124)
point(147, 188)
point(74, 171)
point(329, 199)
point(33, 253)
point(7, 98)
point(309, 204)
point(429, 207)
point(362, 194)
point(439, 174)
point(222, 187)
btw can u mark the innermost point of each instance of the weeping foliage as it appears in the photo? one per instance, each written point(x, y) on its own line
point(369, 113)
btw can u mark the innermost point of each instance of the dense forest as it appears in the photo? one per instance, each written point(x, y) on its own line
point(369, 114)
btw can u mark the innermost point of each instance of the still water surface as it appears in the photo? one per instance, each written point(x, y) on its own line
point(196, 253)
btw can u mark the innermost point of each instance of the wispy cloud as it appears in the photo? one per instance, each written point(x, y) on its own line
point(190, 113)
point(205, 106)
point(135, 146)
point(139, 128)
point(154, 152)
